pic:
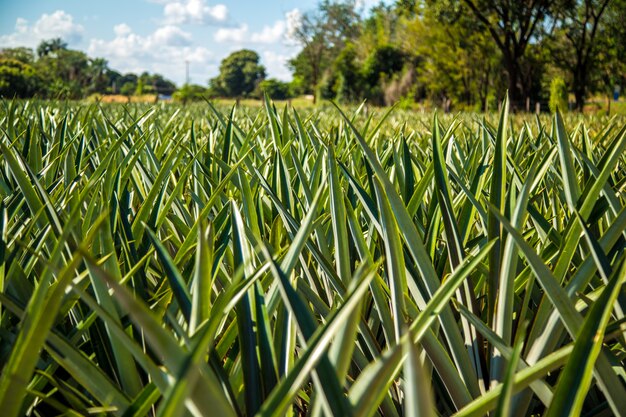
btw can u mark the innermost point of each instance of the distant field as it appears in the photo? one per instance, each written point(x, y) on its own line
point(298, 102)
point(260, 260)
point(596, 106)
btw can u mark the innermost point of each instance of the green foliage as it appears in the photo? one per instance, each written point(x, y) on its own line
point(307, 67)
point(275, 89)
point(22, 54)
point(349, 77)
point(240, 73)
point(156, 84)
point(140, 88)
point(328, 86)
point(383, 63)
point(59, 72)
point(581, 43)
point(51, 46)
point(189, 93)
point(323, 33)
point(169, 260)
point(67, 71)
point(558, 95)
point(17, 79)
point(461, 54)
point(128, 89)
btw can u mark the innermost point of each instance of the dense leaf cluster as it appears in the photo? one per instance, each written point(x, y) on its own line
point(61, 73)
point(185, 260)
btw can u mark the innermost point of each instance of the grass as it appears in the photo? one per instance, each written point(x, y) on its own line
point(200, 260)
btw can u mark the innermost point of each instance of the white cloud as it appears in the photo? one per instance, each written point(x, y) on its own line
point(122, 29)
point(238, 34)
point(294, 20)
point(164, 51)
point(55, 25)
point(280, 31)
point(194, 11)
point(270, 34)
point(172, 36)
point(276, 64)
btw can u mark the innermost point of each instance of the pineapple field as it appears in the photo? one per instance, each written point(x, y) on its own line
point(201, 260)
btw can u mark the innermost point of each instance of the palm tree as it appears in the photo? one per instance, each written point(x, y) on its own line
point(49, 46)
point(98, 68)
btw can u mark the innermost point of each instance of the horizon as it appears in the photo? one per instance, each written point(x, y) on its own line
point(161, 36)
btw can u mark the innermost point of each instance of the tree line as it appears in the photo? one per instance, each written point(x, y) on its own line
point(465, 54)
point(55, 71)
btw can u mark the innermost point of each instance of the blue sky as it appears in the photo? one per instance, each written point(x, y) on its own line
point(160, 35)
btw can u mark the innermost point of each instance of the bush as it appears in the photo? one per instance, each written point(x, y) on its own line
point(189, 92)
point(558, 95)
point(327, 88)
point(128, 88)
point(275, 89)
point(379, 67)
point(350, 82)
point(17, 79)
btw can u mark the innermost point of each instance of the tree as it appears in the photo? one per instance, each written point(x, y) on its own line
point(381, 27)
point(323, 33)
point(17, 79)
point(575, 46)
point(141, 88)
point(21, 54)
point(97, 72)
point(275, 89)
point(350, 82)
point(189, 92)
point(50, 46)
point(128, 88)
point(611, 55)
point(59, 72)
point(512, 25)
point(240, 73)
point(446, 44)
point(113, 81)
point(380, 66)
point(128, 78)
point(156, 84)
point(307, 66)
point(341, 23)
point(66, 72)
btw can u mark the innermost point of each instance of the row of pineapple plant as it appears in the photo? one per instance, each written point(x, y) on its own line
point(238, 262)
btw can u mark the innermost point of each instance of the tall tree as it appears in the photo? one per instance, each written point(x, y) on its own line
point(350, 83)
point(240, 73)
point(380, 27)
point(449, 42)
point(611, 58)
point(98, 68)
point(322, 33)
point(66, 72)
point(575, 45)
point(308, 65)
point(512, 25)
point(47, 47)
